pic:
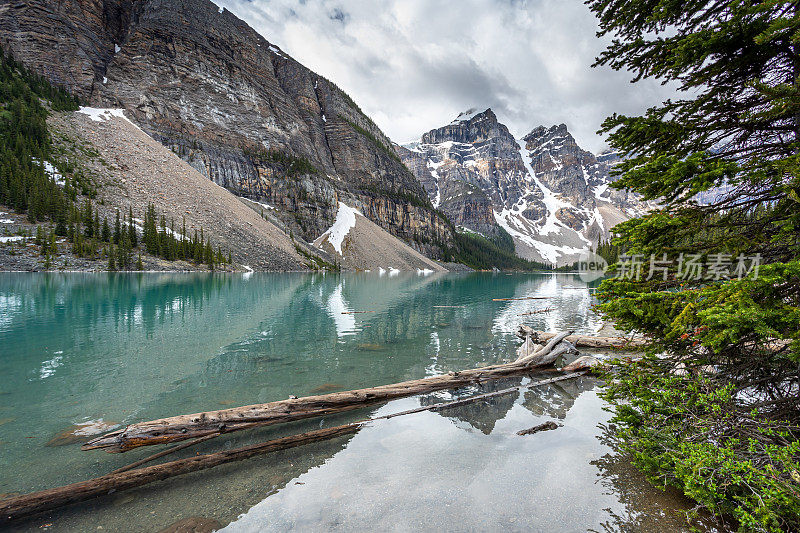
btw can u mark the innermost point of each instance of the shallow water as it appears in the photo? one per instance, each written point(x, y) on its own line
point(83, 352)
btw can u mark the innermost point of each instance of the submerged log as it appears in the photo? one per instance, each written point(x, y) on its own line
point(547, 426)
point(21, 506)
point(583, 341)
point(184, 427)
point(166, 452)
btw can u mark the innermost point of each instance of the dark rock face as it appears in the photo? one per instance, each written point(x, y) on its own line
point(575, 173)
point(470, 167)
point(68, 41)
point(461, 199)
point(571, 217)
point(205, 84)
point(562, 165)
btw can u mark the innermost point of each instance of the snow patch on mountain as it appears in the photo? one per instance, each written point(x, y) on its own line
point(99, 114)
point(469, 114)
point(345, 221)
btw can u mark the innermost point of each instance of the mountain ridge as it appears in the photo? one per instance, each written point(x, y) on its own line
point(230, 103)
point(249, 117)
point(549, 194)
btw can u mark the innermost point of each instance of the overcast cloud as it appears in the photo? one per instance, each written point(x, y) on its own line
point(413, 65)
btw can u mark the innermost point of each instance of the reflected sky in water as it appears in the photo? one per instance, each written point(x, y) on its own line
point(86, 352)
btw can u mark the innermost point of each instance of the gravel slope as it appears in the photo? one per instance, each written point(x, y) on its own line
point(135, 170)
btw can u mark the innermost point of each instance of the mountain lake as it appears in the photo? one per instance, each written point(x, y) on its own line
point(84, 353)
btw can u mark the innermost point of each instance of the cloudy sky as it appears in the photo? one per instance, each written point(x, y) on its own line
point(413, 65)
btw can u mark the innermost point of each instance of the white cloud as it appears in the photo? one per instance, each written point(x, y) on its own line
point(413, 65)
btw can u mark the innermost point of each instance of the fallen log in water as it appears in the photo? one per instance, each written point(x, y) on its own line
point(123, 479)
point(585, 362)
point(184, 427)
point(21, 506)
point(584, 341)
point(166, 452)
point(529, 354)
point(547, 426)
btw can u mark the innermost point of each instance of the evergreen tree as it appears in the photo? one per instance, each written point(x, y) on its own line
point(49, 249)
point(88, 220)
point(106, 233)
point(132, 239)
point(124, 253)
point(150, 232)
point(61, 222)
point(173, 249)
point(43, 240)
point(208, 254)
point(117, 229)
point(735, 130)
point(77, 243)
point(184, 240)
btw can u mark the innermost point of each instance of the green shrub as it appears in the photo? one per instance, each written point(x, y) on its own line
point(691, 433)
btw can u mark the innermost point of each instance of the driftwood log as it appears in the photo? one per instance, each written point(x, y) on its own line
point(124, 478)
point(184, 427)
point(582, 341)
point(585, 362)
point(530, 354)
point(164, 453)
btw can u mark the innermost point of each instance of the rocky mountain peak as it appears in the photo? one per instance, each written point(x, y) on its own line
point(474, 113)
point(558, 134)
point(561, 164)
point(470, 126)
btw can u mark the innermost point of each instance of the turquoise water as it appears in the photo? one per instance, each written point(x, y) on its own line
point(86, 352)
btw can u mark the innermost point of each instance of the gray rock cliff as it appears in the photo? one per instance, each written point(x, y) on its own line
point(229, 102)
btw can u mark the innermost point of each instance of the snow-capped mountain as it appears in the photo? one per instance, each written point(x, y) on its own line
point(544, 190)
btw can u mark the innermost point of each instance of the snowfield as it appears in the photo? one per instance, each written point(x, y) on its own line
point(345, 221)
point(99, 114)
